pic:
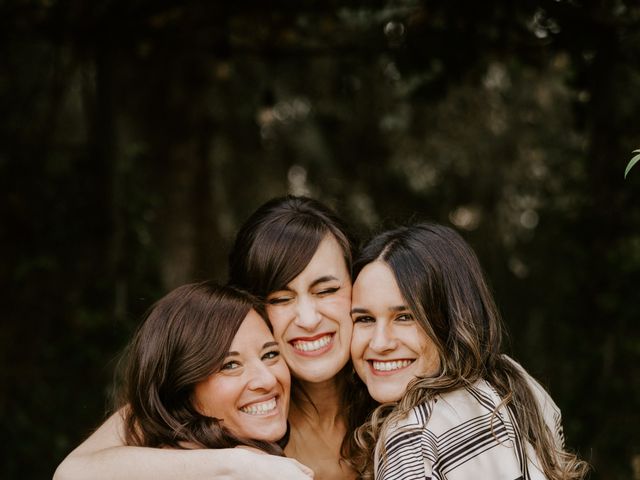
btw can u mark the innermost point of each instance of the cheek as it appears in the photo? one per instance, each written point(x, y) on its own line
point(429, 353)
point(279, 318)
point(338, 308)
point(346, 326)
point(359, 343)
point(209, 395)
point(338, 311)
point(281, 372)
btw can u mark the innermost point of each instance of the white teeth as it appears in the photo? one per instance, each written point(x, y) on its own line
point(312, 346)
point(393, 365)
point(260, 408)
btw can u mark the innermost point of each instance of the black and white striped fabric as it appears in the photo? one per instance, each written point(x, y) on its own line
point(460, 436)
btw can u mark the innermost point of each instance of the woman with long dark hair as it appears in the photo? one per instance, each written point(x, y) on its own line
point(427, 342)
point(204, 371)
point(296, 255)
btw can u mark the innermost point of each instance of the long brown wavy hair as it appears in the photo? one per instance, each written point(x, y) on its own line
point(442, 282)
point(183, 340)
point(274, 246)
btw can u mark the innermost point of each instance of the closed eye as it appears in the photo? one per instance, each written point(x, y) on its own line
point(327, 291)
point(278, 300)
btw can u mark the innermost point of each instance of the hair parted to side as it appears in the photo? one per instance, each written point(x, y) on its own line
point(279, 239)
point(441, 280)
point(183, 339)
point(273, 247)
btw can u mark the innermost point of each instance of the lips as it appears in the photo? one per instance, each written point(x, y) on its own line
point(261, 408)
point(314, 344)
point(389, 366)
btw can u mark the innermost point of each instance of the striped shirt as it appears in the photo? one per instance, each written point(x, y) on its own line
point(457, 436)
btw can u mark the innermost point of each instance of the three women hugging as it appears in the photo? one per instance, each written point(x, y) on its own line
point(398, 375)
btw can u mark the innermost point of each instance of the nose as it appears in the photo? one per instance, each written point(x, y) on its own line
point(261, 377)
point(382, 339)
point(307, 314)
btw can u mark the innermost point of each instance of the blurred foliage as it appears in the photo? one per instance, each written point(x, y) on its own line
point(136, 136)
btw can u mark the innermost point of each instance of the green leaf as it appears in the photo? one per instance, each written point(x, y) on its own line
point(632, 162)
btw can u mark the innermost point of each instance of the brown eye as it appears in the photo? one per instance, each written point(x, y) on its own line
point(364, 319)
point(230, 365)
point(271, 355)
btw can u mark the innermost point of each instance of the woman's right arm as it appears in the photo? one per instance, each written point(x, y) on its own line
point(103, 456)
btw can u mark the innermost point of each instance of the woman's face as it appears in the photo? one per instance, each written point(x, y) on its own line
point(310, 316)
point(388, 348)
point(251, 391)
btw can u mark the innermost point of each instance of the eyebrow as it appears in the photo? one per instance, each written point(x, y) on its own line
point(266, 345)
point(398, 308)
point(325, 278)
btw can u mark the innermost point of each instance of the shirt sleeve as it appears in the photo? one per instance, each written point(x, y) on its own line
point(550, 411)
point(402, 458)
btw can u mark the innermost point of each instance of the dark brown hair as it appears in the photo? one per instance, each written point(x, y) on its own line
point(442, 282)
point(273, 247)
point(278, 240)
point(183, 339)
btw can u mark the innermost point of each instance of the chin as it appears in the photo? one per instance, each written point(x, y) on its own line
point(317, 375)
point(267, 434)
point(385, 395)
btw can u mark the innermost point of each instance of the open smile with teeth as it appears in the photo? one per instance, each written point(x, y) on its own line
point(312, 346)
point(261, 408)
point(389, 366)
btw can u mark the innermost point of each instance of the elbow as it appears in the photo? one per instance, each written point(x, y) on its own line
point(60, 473)
point(65, 471)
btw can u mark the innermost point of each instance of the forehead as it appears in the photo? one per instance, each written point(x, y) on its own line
point(327, 260)
point(376, 286)
point(253, 331)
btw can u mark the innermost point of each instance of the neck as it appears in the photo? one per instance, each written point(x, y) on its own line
point(318, 428)
point(319, 403)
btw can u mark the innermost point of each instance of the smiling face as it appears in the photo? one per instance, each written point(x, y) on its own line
point(251, 391)
point(310, 316)
point(388, 348)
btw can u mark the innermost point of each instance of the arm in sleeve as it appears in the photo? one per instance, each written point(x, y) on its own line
point(402, 457)
point(103, 456)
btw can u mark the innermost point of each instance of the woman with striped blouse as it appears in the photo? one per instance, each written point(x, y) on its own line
point(426, 341)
